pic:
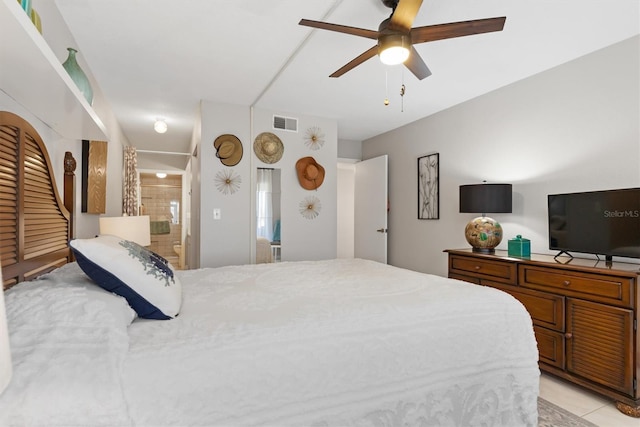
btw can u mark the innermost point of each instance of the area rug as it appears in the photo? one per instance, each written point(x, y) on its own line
point(550, 415)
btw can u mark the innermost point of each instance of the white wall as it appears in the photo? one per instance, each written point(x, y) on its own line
point(572, 128)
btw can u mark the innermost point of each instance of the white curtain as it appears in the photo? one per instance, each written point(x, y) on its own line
point(264, 204)
point(130, 182)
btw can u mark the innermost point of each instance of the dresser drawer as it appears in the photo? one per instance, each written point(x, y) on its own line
point(469, 279)
point(545, 309)
point(500, 271)
point(596, 287)
point(551, 347)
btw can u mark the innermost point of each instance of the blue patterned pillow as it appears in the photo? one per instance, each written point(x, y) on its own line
point(145, 279)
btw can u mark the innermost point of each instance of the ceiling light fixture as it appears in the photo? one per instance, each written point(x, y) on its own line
point(161, 175)
point(393, 49)
point(160, 126)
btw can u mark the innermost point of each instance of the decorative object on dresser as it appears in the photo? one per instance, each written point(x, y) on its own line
point(77, 75)
point(519, 247)
point(484, 233)
point(132, 228)
point(585, 315)
point(429, 186)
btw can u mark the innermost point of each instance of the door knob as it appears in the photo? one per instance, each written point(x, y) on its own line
point(381, 230)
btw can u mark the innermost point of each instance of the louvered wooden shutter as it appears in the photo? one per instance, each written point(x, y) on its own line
point(8, 195)
point(35, 229)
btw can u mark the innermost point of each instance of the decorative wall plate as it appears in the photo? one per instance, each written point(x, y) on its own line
point(310, 207)
point(314, 138)
point(227, 181)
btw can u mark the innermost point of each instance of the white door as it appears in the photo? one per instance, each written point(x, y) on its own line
point(370, 209)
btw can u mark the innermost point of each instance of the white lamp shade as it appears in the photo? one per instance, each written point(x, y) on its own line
point(5, 353)
point(133, 228)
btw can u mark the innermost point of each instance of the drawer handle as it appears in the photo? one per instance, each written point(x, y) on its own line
point(566, 283)
point(568, 335)
point(477, 267)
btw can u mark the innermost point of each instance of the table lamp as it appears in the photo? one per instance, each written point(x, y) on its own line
point(484, 233)
point(133, 228)
point(5, 353)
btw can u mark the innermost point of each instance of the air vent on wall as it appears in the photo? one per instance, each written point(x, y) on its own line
point(285, 123)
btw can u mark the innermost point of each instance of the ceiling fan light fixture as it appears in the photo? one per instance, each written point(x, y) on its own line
point(393, 49)
point(160, 126)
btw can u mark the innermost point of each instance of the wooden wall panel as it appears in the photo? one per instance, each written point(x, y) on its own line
point(94, 177)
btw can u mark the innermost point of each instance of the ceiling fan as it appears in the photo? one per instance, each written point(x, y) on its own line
point(396, 37)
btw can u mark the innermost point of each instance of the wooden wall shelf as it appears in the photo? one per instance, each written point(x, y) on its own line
point(33, 76)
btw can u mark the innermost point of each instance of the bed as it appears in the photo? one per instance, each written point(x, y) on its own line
point(308, 343)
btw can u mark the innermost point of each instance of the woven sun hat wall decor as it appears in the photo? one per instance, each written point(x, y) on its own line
point(310, 173)
point(228, 149)
point(268, 147)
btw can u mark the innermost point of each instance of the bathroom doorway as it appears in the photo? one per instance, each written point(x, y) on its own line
point(161, 197)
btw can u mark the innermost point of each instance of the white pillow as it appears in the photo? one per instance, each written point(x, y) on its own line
point(145, 279)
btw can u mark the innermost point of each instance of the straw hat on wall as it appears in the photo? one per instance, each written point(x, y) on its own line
point(228, 149)
point(310, 173)
point(268, 147)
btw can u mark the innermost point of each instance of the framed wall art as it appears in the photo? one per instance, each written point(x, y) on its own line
point(94, 177)
point(429, 187)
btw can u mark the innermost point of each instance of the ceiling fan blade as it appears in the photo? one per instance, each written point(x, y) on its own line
point(416, 65)
point(370, 34)
point(404, 14)
point(356, 61)
point(456, 29)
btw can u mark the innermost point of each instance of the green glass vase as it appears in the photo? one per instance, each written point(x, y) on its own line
point(77, 75)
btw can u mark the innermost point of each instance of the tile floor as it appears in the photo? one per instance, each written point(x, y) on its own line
point(592, 407)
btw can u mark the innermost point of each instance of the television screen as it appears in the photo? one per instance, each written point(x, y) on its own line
point(597, 222)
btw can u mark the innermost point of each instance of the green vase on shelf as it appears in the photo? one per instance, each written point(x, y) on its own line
point(77, 75)
point(26, 6)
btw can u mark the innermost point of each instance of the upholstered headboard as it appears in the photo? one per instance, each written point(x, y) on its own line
point(35, 225)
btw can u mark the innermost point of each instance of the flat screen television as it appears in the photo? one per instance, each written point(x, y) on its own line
point(596, 222)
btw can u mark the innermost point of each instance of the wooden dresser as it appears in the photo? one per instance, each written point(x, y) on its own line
point(585, 315)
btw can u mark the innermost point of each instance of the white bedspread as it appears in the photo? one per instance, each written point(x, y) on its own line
point(341, 342)
point(68, 340)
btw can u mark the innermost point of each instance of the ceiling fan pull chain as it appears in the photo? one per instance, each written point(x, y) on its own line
point(402, 91)
point(386, 87)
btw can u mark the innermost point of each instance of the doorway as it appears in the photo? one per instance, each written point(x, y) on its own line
point(161, 197)
point(362, 207)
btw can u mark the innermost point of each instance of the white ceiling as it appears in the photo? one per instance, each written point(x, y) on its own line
point(159, 58)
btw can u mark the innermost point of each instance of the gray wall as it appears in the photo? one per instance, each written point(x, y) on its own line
point(571, 128)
